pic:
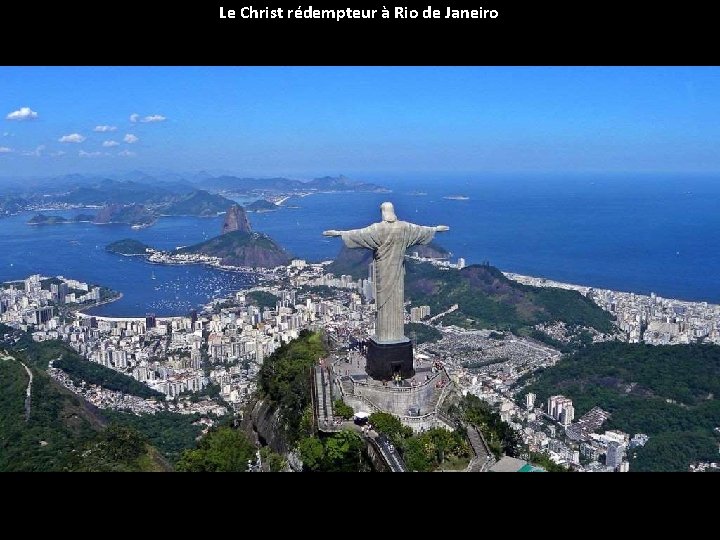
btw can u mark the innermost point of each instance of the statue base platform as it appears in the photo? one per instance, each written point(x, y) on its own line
point(387, 359)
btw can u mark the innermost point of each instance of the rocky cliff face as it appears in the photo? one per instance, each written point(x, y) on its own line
point(236, 220)
point(263, 425)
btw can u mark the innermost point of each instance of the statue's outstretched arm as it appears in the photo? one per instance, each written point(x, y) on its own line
point(441, 228)
point(333, 233)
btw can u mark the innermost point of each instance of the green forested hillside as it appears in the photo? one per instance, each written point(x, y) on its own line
point(241, 248)
point(487, 299)
point(80, 369)
point(669, 392)
point(62, 431)
point(285, 379)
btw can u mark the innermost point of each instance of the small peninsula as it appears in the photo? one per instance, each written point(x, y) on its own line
point(238, 245)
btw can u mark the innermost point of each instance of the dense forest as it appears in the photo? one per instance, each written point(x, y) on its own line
point(169, 432)
point(262, 299)
point(62, 431)
point(668, 392)
point(223, 449)
point(79, 369)
point(500, 437)
point(284, 380)
point(487, 299)
point(433, 449)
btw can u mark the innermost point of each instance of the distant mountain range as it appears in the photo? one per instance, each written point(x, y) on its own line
point(234, 184)
point(167, 194)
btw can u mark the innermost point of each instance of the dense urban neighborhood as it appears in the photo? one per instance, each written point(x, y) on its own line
point(207, 362)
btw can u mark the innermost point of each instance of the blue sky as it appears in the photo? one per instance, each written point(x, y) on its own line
point(306, 121)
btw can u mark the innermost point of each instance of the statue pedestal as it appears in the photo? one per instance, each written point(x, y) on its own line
point(387, 359)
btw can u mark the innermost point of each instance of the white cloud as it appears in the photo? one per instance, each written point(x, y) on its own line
point(104, 129)
point(153, 118)
point(149, 119)
point(72, 138)
point(58, 153)
point(83, 153)
point(110, 144)
point(126, 153)
point(23, 113)
point(5, 150)
point(37, 152)
point(130, 138)
point(7, 134)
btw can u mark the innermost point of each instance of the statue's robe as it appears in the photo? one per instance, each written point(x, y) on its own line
point(389, 240)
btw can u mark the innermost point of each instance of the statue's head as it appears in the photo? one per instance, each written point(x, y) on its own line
point(388, 212)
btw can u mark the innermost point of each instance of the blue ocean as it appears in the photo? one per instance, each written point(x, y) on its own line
point(642, 233)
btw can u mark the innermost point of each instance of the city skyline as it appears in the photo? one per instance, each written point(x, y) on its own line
point(319, 120)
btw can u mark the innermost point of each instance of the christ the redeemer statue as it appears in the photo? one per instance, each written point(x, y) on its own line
point(389, 239)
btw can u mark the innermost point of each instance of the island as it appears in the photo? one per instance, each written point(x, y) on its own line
point(261, 205)
point(128, 247)
point(132, 214)
point(42, 219)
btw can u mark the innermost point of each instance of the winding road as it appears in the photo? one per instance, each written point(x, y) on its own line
point(28, 391)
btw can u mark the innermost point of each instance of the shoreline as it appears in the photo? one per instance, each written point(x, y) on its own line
point(547, 282)
point(98, 303)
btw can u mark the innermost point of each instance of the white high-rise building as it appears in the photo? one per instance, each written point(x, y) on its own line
point(561, 409)
point(530, 401)
point(461, 263)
